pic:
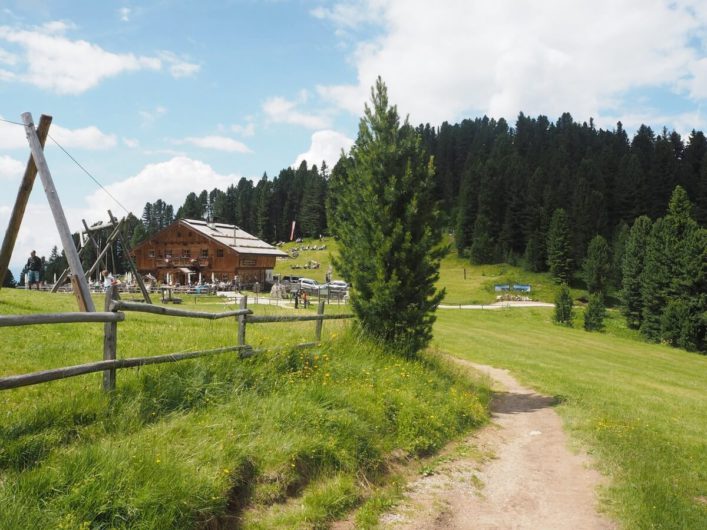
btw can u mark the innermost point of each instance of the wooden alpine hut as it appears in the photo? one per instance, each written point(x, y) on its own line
point(189, 251)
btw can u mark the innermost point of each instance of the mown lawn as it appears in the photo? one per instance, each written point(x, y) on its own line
point(640, 408)
point(286, 439)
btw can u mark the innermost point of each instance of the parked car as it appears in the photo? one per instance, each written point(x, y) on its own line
point(338, 285)
point(290, 281)
point(309, 285)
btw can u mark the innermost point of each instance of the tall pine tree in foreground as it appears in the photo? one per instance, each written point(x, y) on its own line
point(388, 225)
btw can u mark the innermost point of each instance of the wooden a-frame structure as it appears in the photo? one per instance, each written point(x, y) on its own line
point(115, 235)
point(38, 164)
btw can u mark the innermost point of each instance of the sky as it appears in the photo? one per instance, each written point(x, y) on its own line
point(158, 98)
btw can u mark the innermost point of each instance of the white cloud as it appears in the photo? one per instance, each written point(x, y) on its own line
point(12, 136)
point(178, 66)
point(132, 143)
point(446, 60)
point(124, 14)
point(246, 130)
point(53, 62)
point(281, 110)
point(327, 146)
point(8, 58)
point(218, 143)
point(170, 181)
point(10, 168)
point(84, 138)
point(149, 117)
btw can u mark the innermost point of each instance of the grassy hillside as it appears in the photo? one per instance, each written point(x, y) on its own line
point(641, 408)
point(465, 283)
point(281, 440)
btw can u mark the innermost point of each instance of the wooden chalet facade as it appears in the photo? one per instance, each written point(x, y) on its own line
point(189, 250)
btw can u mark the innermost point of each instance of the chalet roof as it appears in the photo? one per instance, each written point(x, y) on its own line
point(243, 242)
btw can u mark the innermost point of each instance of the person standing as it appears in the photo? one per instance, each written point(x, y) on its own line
point(108, 279)
point(34, 268)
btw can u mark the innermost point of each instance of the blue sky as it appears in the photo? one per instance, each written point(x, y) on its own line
point(159, 98)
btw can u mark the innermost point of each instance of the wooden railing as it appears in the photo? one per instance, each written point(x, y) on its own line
point(115, 312)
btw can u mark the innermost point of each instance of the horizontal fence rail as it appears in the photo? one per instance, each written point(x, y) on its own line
point(159, 310)
point(113, 315)
point(59, 318)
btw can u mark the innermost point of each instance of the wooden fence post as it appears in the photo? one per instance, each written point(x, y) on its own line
point(242, 321)
point(320, 322)
point(110, 341)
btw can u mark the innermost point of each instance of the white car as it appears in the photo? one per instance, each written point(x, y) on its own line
point(309, 285)
point(338, 285)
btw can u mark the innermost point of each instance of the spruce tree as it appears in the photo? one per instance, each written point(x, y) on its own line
point(632, 271)
point(563, 306)
point(388, 228)
point(559, 247)
point(596, 268)
point(673, 277)
point(595, 313)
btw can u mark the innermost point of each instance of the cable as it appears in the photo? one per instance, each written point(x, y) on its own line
point(89, 174)
point(13, 122)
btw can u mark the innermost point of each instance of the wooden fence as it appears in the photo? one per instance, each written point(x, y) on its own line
point(114, 312)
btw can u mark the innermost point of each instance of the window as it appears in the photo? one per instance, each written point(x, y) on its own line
point(204, 252)
point(186, 253)
point(151, 253)
point(219, 252)
point(168, 253)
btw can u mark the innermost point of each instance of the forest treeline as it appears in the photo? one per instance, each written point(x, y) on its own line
point(501, 190)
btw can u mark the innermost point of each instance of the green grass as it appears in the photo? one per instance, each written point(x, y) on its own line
point(464, 283)
point(640, 408)
point(286, 439)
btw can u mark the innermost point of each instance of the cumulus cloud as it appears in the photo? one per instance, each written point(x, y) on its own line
point(149, 117)
point(124, 14)
point(281, 110)
point(12, 136)
point(217, 143)
point(10, 168)
point(326, 146)
point(170, 181)
point(446, 60)
point(84, 138)
point(48, 59)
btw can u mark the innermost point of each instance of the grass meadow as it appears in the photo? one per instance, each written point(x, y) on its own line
point(640, 408)
point(285, 439)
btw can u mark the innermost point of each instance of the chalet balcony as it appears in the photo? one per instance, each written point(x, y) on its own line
point(162, 263)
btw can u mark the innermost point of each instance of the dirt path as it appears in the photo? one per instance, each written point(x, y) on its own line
point(531, 481)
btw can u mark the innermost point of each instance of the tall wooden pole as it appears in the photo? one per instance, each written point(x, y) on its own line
point(18, 211)
point(83, 295)
point(133, 268)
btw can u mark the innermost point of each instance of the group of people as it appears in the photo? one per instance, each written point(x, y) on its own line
point(301, 294)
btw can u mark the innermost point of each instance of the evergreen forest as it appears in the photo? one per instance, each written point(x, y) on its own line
point(535, 194)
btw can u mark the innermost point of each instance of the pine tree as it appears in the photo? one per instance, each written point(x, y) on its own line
point(632, 271)
point(559, 248)
point(388, 228)
point(673, 277)
point(595, 314)
point(596, 268)
point(563, 306)
point(9, 280)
